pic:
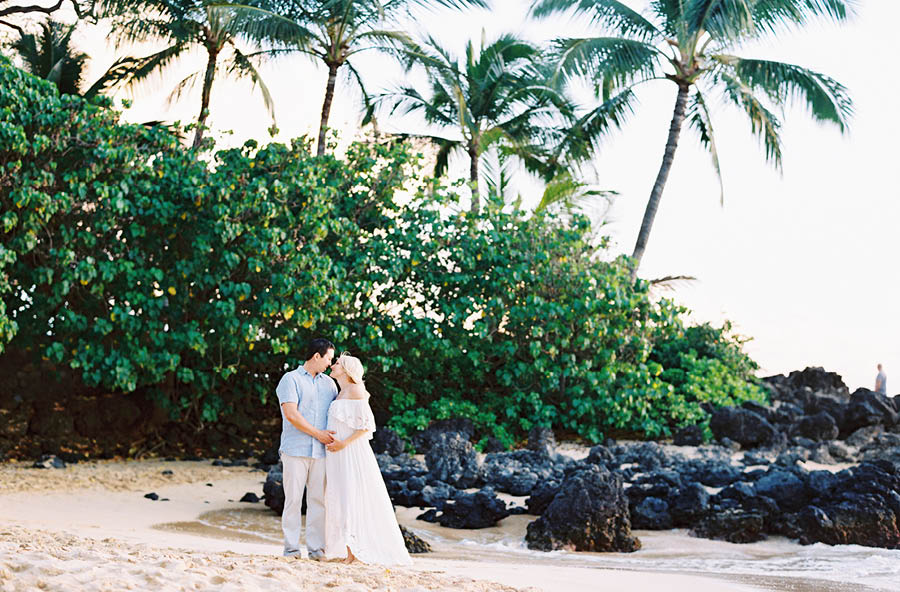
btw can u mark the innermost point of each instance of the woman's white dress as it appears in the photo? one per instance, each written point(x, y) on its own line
point(358, 510)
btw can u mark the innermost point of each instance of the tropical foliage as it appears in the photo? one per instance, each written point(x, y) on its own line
point(497, 95)
point(219, 27)
point(52, 56)
point(692, 43)
point(129, 261)
point(138, 266)
point(333, 32)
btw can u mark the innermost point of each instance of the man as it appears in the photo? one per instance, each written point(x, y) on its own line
point(881, 382)
point(305, 395)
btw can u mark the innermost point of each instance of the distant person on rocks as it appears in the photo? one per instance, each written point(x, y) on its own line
point(881, 382)
point(305, 395)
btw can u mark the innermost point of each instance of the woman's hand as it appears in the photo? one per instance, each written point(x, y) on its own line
point(336, 446)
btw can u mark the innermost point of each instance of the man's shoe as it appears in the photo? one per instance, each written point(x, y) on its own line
point(291, 553)
point(317, 555)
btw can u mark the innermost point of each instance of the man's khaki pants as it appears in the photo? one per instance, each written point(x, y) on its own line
point(301, 472)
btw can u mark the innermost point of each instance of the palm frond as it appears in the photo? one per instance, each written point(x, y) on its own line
point(722, 19)
point(258, 24)
point(394, 42)
point(827, 100)
point(455, 4)
point(699, 119)
point(116, 74)
point(496, 176)
point(142, 28)
point(370, 103)
point(763, 122)
point(144, 69)
point(772, 16)
point(50, 55)
point(615, 61)
point(185, 85)
point(607, 117)
point(610, 14)
point(408, 100)
point(242, 66)
point(445, 148)
point(671, 14)
point(570, 194)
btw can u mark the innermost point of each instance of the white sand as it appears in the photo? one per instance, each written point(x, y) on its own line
point(88, 527)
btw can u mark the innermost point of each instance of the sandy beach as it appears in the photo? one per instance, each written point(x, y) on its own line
point(89, 527)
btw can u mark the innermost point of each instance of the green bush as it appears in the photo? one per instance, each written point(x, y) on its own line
point(515, 321)
point(126, 258)
point(707, 364)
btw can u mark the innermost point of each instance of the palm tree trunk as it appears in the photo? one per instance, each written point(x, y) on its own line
point(326, 106)
point(204, 100)
point(473, 178)
point(656, 193)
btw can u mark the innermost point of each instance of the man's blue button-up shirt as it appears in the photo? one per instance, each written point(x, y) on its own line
point(313, 396)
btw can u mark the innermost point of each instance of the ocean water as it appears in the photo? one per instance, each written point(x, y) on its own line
point(779, 562)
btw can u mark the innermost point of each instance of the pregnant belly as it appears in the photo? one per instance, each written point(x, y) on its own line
point(342, 430)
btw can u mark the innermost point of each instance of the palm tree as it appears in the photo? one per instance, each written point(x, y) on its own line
point(332, 32)
point(216, 27)
point(691, 43)
point(495, 96)
point(50, 55)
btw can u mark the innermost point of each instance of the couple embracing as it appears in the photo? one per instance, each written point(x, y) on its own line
point(325, 450)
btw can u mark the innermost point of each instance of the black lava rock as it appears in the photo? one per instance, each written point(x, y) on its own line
point(651, 514)
point(691, 435)
point(414, 544)
point(492, 444)
point(270, 456)
point(519, 471)
point(428, 516)
point(473, 510)
point(820, 426)
point(601, 455)
point(689, 505)
point(452, 459)
point(541, 440)
point(386, 441)
point(541, 496)
point(743, 426)
point(868, 408)
point(734, 526)
point(590, 513)
point(273, 489)
point(788, 490)
point(422, 441)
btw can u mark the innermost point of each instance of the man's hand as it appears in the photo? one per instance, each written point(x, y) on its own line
point(336, 446)
point(325, 436)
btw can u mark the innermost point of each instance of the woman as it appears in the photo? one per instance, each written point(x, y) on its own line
point(359, 518)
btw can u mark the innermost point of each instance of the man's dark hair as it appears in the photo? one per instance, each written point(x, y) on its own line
point(320, 346)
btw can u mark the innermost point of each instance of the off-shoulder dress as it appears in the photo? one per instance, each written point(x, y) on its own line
point(358, 510)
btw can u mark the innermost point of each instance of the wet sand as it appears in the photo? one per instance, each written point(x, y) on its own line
point(456, 551)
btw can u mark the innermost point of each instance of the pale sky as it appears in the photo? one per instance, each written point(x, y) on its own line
point(801, 262)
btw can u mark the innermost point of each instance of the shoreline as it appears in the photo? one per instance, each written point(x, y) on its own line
point(95, 514)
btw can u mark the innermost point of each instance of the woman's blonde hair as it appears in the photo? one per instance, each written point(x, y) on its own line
point(352, 366)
